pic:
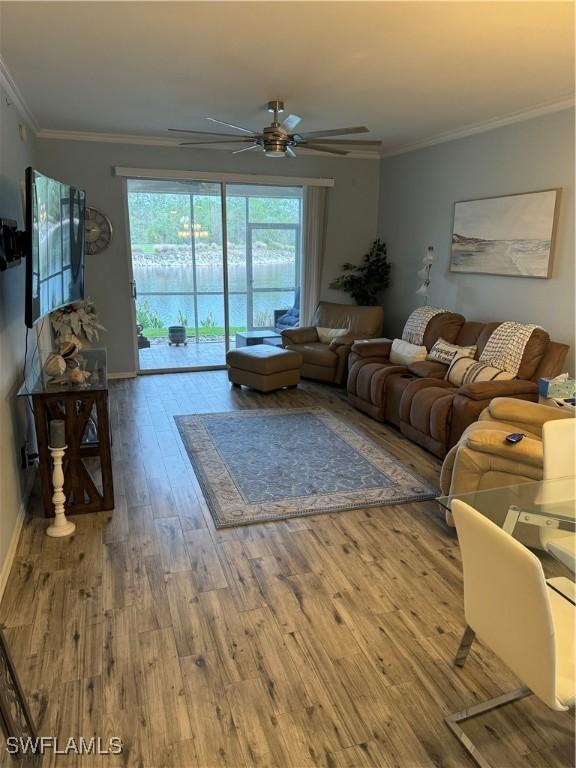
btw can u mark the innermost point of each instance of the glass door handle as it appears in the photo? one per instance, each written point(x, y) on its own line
point(133, 290)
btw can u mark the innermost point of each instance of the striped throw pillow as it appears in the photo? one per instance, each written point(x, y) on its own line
point(463, 370)
point(444, 352)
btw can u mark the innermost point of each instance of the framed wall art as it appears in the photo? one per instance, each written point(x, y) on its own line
point(512, 235)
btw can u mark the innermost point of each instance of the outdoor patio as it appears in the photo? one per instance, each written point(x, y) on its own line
point(160, 355)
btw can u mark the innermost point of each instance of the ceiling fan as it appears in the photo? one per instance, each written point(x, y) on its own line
point(279, 139)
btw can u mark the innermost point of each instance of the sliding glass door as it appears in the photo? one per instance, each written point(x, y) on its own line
point(264, 226)
point(196, 295)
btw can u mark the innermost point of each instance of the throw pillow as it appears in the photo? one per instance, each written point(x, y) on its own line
point(444, 352)
point(463, 370)
point(325, 335)
point(404, 353)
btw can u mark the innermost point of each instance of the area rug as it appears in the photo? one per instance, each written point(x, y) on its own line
point(258, 465)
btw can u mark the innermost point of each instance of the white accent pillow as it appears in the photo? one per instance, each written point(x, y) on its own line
point(444, 352)
point(325, 335)
point(404, 353)
point(463, 370)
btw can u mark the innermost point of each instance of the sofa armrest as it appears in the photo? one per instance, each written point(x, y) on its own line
point(299, 335)
point(493, 442)
point(486, 390)
point(373, 348)
point(531, 415)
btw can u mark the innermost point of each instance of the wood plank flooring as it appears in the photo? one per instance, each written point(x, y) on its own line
point(318, 642)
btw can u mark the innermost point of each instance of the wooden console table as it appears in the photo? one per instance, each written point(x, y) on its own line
point(88, 483)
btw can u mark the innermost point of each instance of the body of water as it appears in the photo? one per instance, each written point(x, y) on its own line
point(276, 282)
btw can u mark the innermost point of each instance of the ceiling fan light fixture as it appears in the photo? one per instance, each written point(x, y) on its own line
point(280, 139)
point(275, 106)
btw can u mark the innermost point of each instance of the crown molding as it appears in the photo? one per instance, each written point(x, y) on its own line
point(15, 97)
point(461, 133)
point(159, 141)
point(482, 127)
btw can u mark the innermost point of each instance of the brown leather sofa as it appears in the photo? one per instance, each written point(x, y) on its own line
point(329, 362)
point(418, 400)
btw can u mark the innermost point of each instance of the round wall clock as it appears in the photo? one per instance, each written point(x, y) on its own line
point(97, 231)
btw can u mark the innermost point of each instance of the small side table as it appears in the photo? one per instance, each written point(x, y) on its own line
point(250, 338)
point(88, 483)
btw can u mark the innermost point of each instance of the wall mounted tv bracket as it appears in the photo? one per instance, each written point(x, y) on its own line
point(12, 244)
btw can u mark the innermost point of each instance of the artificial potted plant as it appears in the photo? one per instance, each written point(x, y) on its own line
point(77, 323)
point(364, 281)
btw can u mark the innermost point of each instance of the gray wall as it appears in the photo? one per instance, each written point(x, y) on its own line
point(417, 193)
point(15, 155)
point(351, 226)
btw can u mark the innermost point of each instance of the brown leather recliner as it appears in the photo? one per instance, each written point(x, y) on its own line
point(329, 362)
point(372, 385)
point(429, 410)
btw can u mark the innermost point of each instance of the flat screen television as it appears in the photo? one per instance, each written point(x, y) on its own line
point(55, 247)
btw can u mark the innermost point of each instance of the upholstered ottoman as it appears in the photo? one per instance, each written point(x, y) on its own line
point(264, 367)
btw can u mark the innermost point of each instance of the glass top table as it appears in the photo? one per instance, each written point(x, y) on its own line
point(89, 359)
point(546, 504)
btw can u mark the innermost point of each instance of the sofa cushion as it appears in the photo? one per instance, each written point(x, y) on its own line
point(444, 352)
point(506, 347)
point(552, 363)
point(446, 325)
point(485, 333)
point(403, 353)
point(316, 353)
point(463, 370)
point(361, 322)
point(533, 353)
point(469, 333)
point(428, 369)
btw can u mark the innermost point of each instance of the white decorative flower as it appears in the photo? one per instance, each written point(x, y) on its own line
point(78, 319)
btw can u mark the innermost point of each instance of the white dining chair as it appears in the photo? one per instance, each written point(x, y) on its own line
point(559, 454)
point(510, 608)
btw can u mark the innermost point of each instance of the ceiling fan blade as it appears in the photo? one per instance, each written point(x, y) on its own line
point(232, 140)
point(320, 148)
point(246, 149)
point(290, 152)
point(231, 125)
point(350, 142)
point(290, 122)
point(332, 132)
point(207, 133)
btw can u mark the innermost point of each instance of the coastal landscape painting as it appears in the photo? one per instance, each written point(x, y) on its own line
point(511, 235)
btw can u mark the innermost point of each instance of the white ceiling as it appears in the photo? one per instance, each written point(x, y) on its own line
point(410, 71)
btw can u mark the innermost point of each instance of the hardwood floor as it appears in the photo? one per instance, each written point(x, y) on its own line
point(322, 641)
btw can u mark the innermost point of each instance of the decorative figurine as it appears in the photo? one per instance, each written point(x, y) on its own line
point(78, 376)
point(55, 365)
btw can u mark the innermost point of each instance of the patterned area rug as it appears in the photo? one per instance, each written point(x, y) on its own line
point(258, 465)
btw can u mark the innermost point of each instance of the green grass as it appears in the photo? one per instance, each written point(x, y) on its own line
point(162, 333)
point(147, 248)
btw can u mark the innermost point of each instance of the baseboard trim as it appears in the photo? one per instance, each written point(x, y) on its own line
point(11, 554)
point(123, 375)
